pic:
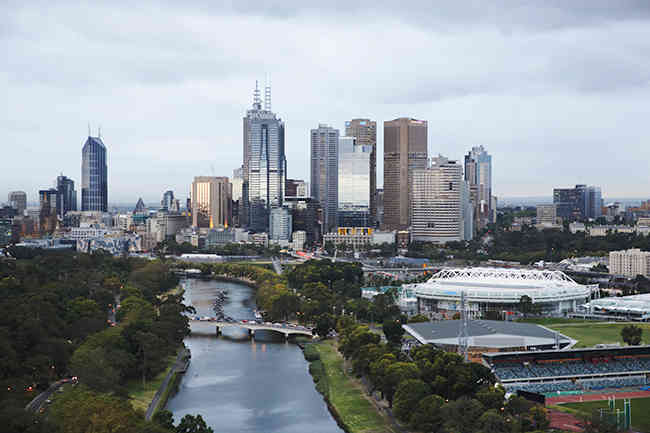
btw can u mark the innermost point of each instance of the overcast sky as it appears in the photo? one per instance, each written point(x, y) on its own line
point(557, 91)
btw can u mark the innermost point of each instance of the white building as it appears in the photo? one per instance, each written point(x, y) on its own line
point(280, 225)
point(576, 227)
point(298, 239)
point(604, 230)
point(630, 263)
point(546, 216)
point(441, 210)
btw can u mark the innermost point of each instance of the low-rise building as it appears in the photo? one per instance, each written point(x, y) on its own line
point(576, 227)
point(604, 230)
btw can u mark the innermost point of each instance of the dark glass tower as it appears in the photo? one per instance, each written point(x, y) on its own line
point(94, 176)
point(265, 164)
point(67, 198)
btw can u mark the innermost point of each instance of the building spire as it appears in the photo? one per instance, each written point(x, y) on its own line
point(267, 94)
point(257, 101)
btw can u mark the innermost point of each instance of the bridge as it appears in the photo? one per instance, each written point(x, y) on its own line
point(252, 327)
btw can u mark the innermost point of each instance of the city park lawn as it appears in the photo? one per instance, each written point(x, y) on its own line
point(640, 410)
point(355, 410)
point(139, 396)
point(589, 334)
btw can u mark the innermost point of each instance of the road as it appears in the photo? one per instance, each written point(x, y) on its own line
point(38, 401)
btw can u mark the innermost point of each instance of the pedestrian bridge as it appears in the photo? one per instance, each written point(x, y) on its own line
point(252, 327)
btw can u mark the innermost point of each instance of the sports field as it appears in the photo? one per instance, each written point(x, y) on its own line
point(589, 334)
point(640, 410)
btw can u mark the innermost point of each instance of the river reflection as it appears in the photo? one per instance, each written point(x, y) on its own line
point(239, 385)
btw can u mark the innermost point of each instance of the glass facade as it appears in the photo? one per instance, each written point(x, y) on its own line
point(265, 165)
point(354, 174)
point(324, 172)
point(67, 197)
point(94, 176)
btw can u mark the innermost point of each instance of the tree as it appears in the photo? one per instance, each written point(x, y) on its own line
point(397, 373)
point(427, 416)
point(525, 305)
point(408, 395)
point(631, 335)
point(393, 331)
point(164, 418)
point(462, 415)
point(492, 422)
point(594, 423)
point(324, 324)
point(193, 424)
point(418, 318)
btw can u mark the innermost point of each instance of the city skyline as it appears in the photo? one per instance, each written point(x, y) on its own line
point(183, 112)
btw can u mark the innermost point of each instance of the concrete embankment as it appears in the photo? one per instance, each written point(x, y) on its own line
point(168, 386)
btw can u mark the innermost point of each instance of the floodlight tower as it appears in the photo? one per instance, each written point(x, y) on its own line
point(463, 335)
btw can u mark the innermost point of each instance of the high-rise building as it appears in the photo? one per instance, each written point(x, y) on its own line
point(581, 202)
point(441, 210)
point(67, 196)
point(18, 201)
point(265, 164)
point(280, 225)
point(296, 188)
point(405, 150)
point(630, 263)
point(94, 176)
point(304, 216)
point(167, 202)
point(354, 183)
point(478, 174)
point(48, 211)
point(365, 132)
point(324, 172)
point(211, 202)
point(237, 182)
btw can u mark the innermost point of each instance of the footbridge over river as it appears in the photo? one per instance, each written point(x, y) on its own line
point(287, 330)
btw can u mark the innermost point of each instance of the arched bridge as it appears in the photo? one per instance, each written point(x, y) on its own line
point(287, 330)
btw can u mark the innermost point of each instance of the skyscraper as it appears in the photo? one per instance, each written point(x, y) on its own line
point(94, 176)
point(578, 203)
point(440, 206)
point(67, 196)
point(354, 183)
point(265, 164)
point(18, 201)
point(167, 201)
point(405, 150)
point(211, 202)
point(324, 172)
point(478, 174)
point(365, 132)
point(47, 214)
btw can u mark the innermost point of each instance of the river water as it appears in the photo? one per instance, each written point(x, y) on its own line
point(239, 385)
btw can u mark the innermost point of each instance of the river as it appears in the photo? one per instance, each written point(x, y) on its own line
point(239, 385)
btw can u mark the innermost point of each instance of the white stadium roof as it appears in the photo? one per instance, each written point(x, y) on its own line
point(502, 285)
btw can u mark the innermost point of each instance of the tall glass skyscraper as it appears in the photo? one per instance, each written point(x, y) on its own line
point(478, 174)
point(67, 198)
point(94, 176)
point(265, 165)
point(365, 133)
point(354, 183)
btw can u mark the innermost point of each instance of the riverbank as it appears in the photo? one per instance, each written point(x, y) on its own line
point(153, 395)
point(345, 398)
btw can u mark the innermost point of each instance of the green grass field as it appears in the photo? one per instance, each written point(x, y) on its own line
point(550, 321)
point(589, 334)
point(640, 410)
point(355, 410)
point(139, 396)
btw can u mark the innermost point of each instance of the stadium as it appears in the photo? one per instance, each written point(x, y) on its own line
point(500, 290)
point(634, 307)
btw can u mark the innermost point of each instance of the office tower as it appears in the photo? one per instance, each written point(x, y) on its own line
point(280, 224)
point(211, 202)
point(304, 216)
point(365, 131)
point(441, 208)
point(546, 215)
point(324, 172)
point(405, 150)
point(380, 206)
point(237, 182)
point(67, 196)
point(18, 201)
point(265, 164)
point(48, 199)
point(94, 176)
point(167, 201)
point(578, 203)
point(140, 207)
point(354, 183)
point(296, 188)
point(478, 174)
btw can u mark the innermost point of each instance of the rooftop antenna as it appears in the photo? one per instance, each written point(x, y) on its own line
point(99, 132)
point(267, 94)
point(88, 129)
point(257, 101)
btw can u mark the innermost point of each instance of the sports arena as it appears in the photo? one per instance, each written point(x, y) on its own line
point(500, 290)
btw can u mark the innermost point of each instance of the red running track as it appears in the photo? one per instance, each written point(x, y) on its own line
point(595, 397)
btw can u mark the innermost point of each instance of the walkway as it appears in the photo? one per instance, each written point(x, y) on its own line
point(180, 366)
